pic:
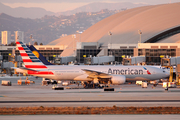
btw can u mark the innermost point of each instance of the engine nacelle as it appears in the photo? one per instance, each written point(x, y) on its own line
point(118, 79)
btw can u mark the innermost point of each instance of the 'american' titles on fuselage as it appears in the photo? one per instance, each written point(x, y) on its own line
point(125, 71)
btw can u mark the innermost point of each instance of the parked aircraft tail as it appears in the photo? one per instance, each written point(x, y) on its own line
point(41, 57)
point(30, 58)
point(32, 64)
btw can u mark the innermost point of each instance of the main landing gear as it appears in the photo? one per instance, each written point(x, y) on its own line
point(91, 85)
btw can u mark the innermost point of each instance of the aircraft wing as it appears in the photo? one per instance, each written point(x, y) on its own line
point(95, 74)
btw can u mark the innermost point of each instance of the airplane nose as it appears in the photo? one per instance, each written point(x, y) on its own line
point(167, 73)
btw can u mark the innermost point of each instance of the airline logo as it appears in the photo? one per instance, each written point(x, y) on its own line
point(31, 60)
point(38, 55)
point(147, 71)
point(35, 53)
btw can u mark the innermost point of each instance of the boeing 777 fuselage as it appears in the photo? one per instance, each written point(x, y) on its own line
point(130, 72)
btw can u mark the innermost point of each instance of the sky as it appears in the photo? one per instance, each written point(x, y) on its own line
point(64, 5)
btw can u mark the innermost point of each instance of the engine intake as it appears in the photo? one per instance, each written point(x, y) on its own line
point(118, 79)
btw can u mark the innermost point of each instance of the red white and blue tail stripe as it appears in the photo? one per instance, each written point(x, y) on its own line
point(31, 62)
point(29, 59)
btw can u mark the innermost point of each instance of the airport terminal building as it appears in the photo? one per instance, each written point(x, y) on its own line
point(151, 31)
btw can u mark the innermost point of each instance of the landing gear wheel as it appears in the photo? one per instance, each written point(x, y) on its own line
point(108, 89)
point(166, 88)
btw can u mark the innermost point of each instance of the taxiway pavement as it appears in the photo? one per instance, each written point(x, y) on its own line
point(124, 96)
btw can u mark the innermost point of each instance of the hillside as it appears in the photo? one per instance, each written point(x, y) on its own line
point(94, 7)
point(49, 28)
point(23, 12)
point(35, 12)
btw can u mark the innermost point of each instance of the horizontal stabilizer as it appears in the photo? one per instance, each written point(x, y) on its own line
point(27, 69)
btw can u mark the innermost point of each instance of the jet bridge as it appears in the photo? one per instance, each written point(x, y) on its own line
point(169, 63)
point(65, 60)
point(134, 60)
point(99, 60)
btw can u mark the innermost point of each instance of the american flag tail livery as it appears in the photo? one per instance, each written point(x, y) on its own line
point(31, 61)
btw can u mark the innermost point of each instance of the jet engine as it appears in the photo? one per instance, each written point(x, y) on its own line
point(118, 79)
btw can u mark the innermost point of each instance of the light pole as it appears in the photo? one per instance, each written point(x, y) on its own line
point(30, 39)
point(79, 32)
point(110, 34)
point(140, 33)
point(1, 65)
point(73, 36)
point(19, 63)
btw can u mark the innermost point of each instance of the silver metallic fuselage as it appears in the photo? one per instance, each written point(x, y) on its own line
point(132, 73)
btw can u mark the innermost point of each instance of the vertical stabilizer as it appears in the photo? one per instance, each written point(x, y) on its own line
point(30, 59)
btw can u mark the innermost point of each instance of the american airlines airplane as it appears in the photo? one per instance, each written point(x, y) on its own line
point(105, 74)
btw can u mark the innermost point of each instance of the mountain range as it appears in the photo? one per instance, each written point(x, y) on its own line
point(46, 26)
point(49, 28)
point(97, 6)
point(23, 12)
point(35, 12)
